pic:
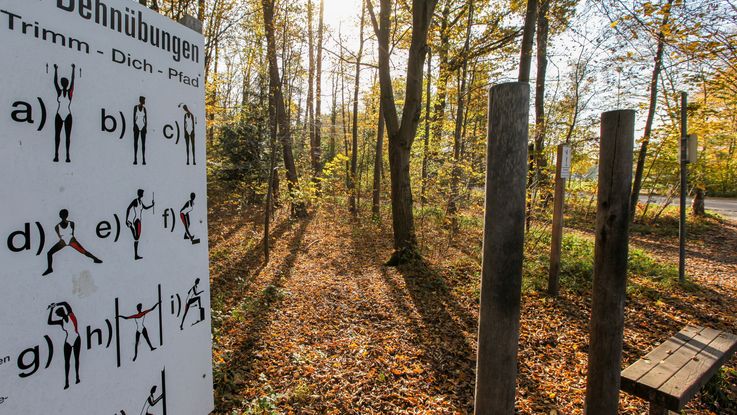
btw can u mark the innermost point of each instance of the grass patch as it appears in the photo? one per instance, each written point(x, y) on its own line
point(719, 392)
point(577, 265)
point(581, 214)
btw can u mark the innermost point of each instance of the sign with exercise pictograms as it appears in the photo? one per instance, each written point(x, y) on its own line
point(103, 223)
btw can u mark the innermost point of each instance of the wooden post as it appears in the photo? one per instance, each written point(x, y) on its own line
point(610, 262)
point(684, 190)
point(501, 271)
point(559, 201)
point(192, 23)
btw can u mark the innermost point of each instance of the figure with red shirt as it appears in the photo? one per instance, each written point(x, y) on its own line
point(140, 318)
point(61, 314)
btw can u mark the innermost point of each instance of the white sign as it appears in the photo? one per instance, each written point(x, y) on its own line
point(103, 220)
point(692, 151)
point(565, 161)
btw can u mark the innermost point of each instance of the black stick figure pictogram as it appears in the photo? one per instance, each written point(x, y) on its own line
point(65, 232)
point(63, 120)
point(140, 318)
point(140, 127)
point(61, 314)
point(193, 297)
point(133, 217)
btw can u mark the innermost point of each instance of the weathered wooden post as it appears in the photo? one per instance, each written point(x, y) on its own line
point(501, 272)
point(684, 190)
point(562, 172)
point(192, 23)
point(610, 262)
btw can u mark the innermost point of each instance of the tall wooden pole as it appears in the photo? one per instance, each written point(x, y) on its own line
point(562, 171)
point(501, 271)
point(610, 262)
point(684, 190)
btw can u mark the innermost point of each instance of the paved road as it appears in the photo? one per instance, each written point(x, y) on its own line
point(722, 206)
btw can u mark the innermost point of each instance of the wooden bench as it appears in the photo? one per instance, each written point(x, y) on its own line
point(672, 373)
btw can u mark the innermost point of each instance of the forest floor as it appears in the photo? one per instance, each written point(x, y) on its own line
point(325, 328)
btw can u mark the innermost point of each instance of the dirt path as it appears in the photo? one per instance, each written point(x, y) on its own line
point(325, 329)
point(331, 332)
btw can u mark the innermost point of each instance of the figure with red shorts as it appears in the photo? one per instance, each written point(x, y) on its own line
point(133, 217)
point(61, 314)
point(184, 216)
point(65, 232)
point(140, 318)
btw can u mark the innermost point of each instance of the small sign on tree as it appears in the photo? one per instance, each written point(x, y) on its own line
point(565, 162)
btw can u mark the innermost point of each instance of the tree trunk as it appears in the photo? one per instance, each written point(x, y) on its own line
point(443, 74)
point(642, 155)
point(457, 137)
point(342, 113)
point(525, 62)
point(213, 96)
point(333, 117)
point(317, 136)
point(378, 163)
point(528, 35)
point(354, 145)
point(275, 89)
point(542, 65)
point(426, 144)
point(310, 115)
point(697, 207)
point(272, 174)
point(401, 133)
point(201, 10)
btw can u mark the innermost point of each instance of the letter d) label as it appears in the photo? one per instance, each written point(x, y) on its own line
point(25, 234)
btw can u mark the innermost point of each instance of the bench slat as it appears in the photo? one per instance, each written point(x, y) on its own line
point(632, 374)
point(668, 367)
point(682, 386)
point(672, 373)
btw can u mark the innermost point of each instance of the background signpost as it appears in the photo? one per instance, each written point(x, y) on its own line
point(684, 190)
point(105, 290)
point(562, 172)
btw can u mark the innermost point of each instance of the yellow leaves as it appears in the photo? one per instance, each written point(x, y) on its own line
point(415, 369)
point(397, 371)
point(648, 9)
point(614, 24)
